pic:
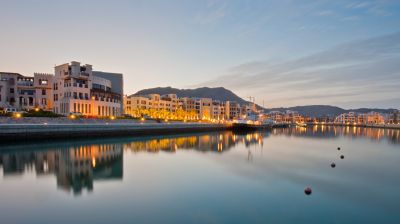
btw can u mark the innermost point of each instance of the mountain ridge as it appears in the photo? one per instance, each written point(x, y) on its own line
point(223, 94)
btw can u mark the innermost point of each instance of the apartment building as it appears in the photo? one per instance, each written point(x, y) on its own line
point(24, 93)
point(77, 90)
point(186, 107)
point(232, 110)
point(362, 118)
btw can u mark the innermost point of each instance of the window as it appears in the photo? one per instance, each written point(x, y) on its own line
point(11, 90)
point(43, 92)
point(43, 82)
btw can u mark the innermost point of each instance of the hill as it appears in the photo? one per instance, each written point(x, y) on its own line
point(218, 93)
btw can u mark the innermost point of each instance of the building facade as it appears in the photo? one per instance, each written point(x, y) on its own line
point(25, 93)
point(77, 90)
point(361, 118)
point(188, 108)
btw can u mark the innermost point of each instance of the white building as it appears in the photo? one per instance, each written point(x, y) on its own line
point(77, 90)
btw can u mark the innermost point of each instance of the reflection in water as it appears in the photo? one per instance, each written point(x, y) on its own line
point(326, 131)
point(77, 166)
point(216, 142)
point(219, 177)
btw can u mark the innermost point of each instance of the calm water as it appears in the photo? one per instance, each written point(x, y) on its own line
point(206, 178)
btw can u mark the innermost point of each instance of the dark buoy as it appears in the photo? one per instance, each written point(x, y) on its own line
point(342, 156)
point(338, 148)
point(333, 165)
point(308, 191)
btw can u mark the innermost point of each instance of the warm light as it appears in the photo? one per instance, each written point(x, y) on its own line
point(166, 120)
point(37, 109)
point(72, 116)
point(112, 117)
point(93, 162)
point(18, 115)
point(142, 119)
point(93, 98)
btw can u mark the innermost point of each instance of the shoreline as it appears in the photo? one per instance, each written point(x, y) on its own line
point(384, 126)
point(36, 129)
point(29, 132)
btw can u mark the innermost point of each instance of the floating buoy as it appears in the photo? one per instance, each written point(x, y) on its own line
point(338, 148)
point(342, 156)
point(333, 165)
point(308, 190)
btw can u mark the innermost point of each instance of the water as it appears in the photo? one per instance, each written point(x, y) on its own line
point(206, 178)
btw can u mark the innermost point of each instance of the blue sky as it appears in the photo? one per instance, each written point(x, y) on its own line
point(285, 53)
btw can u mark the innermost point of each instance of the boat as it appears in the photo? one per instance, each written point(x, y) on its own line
point(249, 125)
point(301, 124)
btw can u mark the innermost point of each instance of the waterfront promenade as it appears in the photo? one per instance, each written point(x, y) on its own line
point(13, 130)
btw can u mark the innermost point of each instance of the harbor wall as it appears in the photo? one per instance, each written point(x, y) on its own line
point(25, 132)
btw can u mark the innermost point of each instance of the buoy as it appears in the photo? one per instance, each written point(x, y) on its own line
point(338, 148)
point(308, 190)
point(342, 156)
point(333, 165)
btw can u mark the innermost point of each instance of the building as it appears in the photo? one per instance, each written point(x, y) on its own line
point(169, 106)
point(25, 93)
point(153, 105)
point(346, 118)
point(77, 90)
point(232, 110)
point(117, 82)
point(361, 118)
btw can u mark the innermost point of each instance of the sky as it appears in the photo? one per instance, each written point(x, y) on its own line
point(283, 52)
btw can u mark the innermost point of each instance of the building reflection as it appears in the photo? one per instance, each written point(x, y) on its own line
point(214, 142)
point(75, 167)
point(329, 131)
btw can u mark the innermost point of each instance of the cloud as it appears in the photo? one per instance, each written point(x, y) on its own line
point(324, 13)
point(355, 71)
point(215, 10)
point(373, 7)
point(358, 5)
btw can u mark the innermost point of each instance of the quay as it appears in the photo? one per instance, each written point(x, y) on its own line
point(42, 128)
point(25, 132)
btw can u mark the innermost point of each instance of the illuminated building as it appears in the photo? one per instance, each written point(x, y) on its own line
point(77, 90)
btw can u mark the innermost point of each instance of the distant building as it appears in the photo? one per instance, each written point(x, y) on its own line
point(191, 108)
point(361, 118)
